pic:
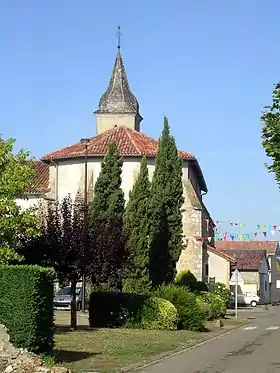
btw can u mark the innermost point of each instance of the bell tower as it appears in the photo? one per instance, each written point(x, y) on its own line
point(118, 106)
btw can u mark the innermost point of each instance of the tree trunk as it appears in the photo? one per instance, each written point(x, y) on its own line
point(73, 305)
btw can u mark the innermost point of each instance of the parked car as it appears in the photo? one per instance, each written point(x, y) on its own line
point(245, 299)
point(62, 300)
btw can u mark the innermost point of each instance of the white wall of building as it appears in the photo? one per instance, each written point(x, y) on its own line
point(71, 174)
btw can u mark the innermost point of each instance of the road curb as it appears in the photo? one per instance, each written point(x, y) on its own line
point(169, 354)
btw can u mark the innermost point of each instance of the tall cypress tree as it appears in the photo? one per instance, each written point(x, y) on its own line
point(107, 219)
point(166, 217)
point(108, 199)
point(136, 224)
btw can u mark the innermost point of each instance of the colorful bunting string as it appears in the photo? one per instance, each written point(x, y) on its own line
point(262, 227)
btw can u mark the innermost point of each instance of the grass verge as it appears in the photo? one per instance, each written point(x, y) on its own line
point(107, 350)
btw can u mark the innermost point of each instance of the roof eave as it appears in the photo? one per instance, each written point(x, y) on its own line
point(202, 181)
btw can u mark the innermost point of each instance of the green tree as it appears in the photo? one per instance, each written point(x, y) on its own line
point(107, 211)
point(61, 245)
point(136, 227)
point(166, 217)
point(16, 173)
point(271, 133)
point(108, 200)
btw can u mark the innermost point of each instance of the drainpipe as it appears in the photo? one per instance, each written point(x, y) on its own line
point(56, 179)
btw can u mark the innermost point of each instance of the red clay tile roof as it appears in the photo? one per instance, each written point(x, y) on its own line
point(40, 184)
point(269, 246)
point(246, 259)
point(221, 254)
point(129, 142)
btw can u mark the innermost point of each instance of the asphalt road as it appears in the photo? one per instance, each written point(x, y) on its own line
point(253, 348)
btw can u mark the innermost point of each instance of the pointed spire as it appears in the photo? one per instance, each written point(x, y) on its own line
point(118, 98)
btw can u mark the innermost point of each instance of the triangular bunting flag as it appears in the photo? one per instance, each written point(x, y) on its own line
point(265, 233)
point(255, 234)
point(273, 233)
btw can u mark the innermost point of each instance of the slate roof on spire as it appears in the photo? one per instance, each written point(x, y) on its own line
point(118, 99)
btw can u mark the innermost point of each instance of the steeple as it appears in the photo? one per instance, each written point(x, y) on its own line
point(118, 100)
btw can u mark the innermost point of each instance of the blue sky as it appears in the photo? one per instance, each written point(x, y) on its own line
point(209, 66)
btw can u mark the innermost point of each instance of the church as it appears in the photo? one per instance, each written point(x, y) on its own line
point(118, 119)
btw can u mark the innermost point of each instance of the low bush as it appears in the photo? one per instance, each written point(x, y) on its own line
point(223, 292)
point(156, 313)
point(212, 304)
point(26, 306)
point(191, 317)
point(188, 279)
point(118, 309)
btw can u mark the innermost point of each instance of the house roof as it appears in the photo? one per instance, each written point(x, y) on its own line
point(130, 143)
point(269, 246)
point(246, 259)
point(40, 183)
point(221, 254)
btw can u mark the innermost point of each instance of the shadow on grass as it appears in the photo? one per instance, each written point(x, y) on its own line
point(64, 356)
point(62, 329)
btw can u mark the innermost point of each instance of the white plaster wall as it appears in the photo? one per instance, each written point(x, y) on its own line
point(219, 268)
point(71, 174)
point(31, 201)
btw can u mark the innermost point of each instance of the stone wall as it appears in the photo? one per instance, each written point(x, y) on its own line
point(192, 256)
point(15, 360)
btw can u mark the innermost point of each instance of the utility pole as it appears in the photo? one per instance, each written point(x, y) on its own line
point(85, 142)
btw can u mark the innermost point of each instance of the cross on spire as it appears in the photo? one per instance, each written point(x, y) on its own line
point(119, 36)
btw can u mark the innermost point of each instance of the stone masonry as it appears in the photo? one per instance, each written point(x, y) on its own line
point(194, 257)
point(16, 360)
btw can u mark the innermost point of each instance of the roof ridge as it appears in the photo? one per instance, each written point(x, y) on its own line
point(132, 140)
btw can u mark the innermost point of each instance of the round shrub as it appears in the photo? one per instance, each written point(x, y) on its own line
point(158, 313)
point(205, 308)
point(223, 292)
point(188, 279)
point(217, 307)
point(190, 314)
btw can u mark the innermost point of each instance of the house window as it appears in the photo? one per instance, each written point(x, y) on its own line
point(265, 286)
point(206, 269)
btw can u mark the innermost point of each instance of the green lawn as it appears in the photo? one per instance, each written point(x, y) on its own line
point(105, 350)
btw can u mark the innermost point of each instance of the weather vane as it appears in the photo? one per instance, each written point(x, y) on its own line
point(119, 36)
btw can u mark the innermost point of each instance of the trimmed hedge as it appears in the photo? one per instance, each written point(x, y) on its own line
point(212, 304)
point(191, 316)
point(118, 309)
point(26, 306)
